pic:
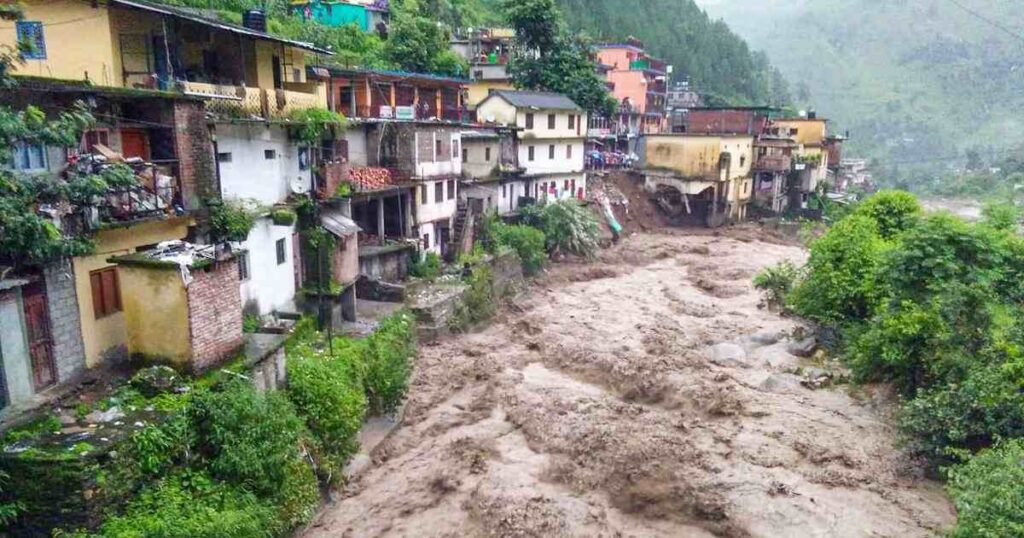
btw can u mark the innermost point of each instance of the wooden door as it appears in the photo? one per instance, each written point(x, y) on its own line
point(40, 341)
point(134, 143)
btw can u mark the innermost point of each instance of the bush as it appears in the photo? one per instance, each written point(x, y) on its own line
point(283, 217)
point(1001, 216)
point(777, 282)
point(569, 228)
point(428, 267)
point(192, 505)
point(386, 362)
point(894, 211)
point(231, 220)
point(527, 241)
point(479, 302)
point(328, 394)
point(989, 493)
point(840, 272)
point(248, 438)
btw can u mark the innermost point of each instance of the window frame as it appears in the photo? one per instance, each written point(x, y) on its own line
point(451, 189)
point(244, 269)
point(572, 121)
point(487, 154)
point(21, 154)
point(424, 194)
point(438, 192)
point(568, 151)
point(31, 32)
point(531, 153)
point(551, 152)
point(281, 249)
point(552, 122)
point(529, 120)
point(97, 286)
point(269, 154)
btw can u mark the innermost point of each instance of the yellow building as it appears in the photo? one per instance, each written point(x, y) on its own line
point(713, 171)
point(98, 283)
point(129, 44)
point(810, 159)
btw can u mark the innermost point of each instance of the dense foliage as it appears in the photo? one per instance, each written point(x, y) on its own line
point(427, 267)
point(231, 220)
point(568, 226)
point(776, 283)
point(933, 304)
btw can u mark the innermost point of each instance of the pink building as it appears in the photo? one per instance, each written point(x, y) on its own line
point(640, 83)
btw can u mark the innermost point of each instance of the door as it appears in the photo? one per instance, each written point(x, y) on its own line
point(134, 143)
point(443, 236)
point(40, 342)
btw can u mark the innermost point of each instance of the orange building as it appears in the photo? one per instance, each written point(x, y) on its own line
point(640, 84)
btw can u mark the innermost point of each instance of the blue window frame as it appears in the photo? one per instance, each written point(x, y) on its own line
point(31, 33)
point(28, 157)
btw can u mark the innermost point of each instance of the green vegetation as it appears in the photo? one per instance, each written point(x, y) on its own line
point(718, 63)
point(568, 226)
point(932, 304)
point(896, 71)
point(283, 216)
point(480, 301)
point(312, 124)
point(428, 267)
point(777, 282)
point(1001, 215)
point(250, 323)
point(528, 242)
point(231, 220)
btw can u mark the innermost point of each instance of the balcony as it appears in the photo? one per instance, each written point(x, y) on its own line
point(410, 113)
point(773, 163)
point(241, 101)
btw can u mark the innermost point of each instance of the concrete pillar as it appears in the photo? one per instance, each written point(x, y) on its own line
point(407, 213)
point(380, 218)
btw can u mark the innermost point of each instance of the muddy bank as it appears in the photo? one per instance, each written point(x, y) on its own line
point(642, 395)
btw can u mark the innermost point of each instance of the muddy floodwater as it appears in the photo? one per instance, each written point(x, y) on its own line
point(644, 395)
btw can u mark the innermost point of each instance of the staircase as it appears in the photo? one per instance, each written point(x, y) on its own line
point(462, 240)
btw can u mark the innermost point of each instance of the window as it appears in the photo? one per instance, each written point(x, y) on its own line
point(503, 194)
point(531, 152)
point(465, 155)
point(572, 121)
point(426, 241)
point(568, 151)
point(565, 185)
point(106, 292)
point(743, 160)
point(487, 154)
point(28, 157)
point(438, 148)
point(243, 267)
point(551, 152)
point(551, 121)
point(438, 192)
point(281, 251)
point(423, 195)
point(529, 121)
point(96, 136)
point(31, 33)
point(455, 148)
point(224, 157)
point(451, 189)
point(270, 154)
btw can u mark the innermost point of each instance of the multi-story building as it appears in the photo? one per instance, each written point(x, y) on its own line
point(711, 174)
point(367, 15)
point(488, 51)
point(810, 157)
point(551, 136)
point(490, 168)
point(640, 84)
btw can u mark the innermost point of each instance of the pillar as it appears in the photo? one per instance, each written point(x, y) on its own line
point(380, 218)
point(407, 213)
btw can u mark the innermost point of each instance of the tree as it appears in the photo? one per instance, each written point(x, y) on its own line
point(548, 58)
point(419, 44)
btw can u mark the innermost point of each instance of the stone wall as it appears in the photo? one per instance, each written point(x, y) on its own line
point(388, 264)
point(65, 325)
point(215, 314)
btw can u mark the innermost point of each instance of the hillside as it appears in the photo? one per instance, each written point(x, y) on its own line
point(917, 83)
point(716, 60)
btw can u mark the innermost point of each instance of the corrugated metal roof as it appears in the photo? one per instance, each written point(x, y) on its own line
point(189, 15)
point(539, 100)
point(337, 70)
point(337, 223)
point(481, 134)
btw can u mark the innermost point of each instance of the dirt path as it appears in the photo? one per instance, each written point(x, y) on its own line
point(643, 395)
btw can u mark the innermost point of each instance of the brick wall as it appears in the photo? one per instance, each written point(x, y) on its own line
point(725, 121)
point(194, 147)
point(65, 325)
point(215, 314)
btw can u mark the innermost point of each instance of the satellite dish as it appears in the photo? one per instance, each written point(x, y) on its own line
point(299, 185)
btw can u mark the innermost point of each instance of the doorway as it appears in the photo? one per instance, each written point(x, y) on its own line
point(37, 332)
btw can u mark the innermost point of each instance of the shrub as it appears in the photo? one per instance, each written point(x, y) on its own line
point(328, 394)
point(479, 302)
point(428, 267)
point(192, 505)
point(527, 241)
point(989, 493)
point(1001, 216)
point(570, 228)
point(777, 282)
point(283, 216)
point(247, 438)
point(231, 220)
point(386, 366)
point(894, 211)
point(840, 272)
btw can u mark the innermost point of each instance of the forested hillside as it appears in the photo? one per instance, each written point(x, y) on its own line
point(918, 83)
point(716, 60)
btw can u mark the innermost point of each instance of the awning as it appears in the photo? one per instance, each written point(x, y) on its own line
point(338, 224)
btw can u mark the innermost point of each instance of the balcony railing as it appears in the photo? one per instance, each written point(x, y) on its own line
point(241, 101)
point(773, 163)
point(448, 113)
point(138, 203)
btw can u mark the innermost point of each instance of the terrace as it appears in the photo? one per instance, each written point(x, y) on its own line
point(367, 94)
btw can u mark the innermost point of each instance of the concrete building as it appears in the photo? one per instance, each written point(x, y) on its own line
point(367, 15)
point(488, 51)
point(811, 156)
point(639, 83)
point(491, 170)
point(710, 174)
point(551, 137)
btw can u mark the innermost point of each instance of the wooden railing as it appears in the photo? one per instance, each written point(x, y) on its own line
point(241, 101)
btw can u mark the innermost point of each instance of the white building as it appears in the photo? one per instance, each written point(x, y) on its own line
point(491, 170)
point(552, 132)
point(258, 163)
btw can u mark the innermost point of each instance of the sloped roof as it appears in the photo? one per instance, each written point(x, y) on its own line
point(539, 100)
point(334, 221)
point(196, 17)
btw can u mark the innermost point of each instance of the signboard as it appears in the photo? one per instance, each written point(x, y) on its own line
point(405, 113)
point(387, 112)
